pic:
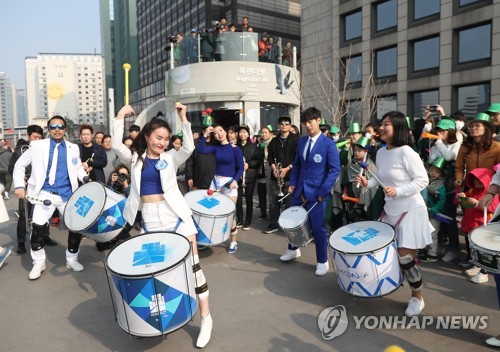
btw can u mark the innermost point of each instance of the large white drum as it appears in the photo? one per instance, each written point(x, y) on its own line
point(150, 277)
point(96, 211)
point(366, 259)
point(293, 222)
point(485, 247)
point(213, 216)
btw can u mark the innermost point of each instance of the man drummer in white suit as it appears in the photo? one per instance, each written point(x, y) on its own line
point(56, 169)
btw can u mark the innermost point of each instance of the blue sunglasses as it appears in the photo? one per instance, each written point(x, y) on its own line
point(55, 126)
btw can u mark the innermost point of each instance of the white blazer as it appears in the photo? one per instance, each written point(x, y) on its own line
point(38, 156)
point(168, 175)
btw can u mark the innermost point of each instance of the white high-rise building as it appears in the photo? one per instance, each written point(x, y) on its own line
point(70, 85)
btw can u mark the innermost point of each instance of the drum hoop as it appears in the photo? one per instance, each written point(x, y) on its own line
point(182, 260)
point(212, 216)
point(100, 211)
point(296, 227)
point(367, 252)
point(483, 249)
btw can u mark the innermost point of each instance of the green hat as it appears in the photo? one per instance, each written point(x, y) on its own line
point(408, 120)
point(270, 127)
point(363, 142)
point(494, 108)
point(207, 121)
point(180, 134)
point(484, 118)
point(334, 129)
point(446, 124)
point(440, 163)
point(323, 122)
point(354, 127)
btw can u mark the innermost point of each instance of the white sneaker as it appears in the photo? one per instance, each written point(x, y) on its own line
point(205, 331)
point(494, 341)
point(6, 196)
point(290, 254)
point(74, 265)
point(472, 271)
point(322, 269)
point(36, 272)
point(449, 257)
point(415, 307)
point(479, 278)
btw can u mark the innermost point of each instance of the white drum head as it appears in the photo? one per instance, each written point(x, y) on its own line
point(362, 237)
point(292, 217)
point(84, 206)
point(487, 237)
point(148, 254)
point(216, 204)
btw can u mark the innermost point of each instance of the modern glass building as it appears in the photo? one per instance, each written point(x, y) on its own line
point(400, 54)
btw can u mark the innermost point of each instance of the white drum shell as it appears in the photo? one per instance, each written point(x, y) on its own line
point(213, 216)
point(156, 297)
point(95, 211)
point(369, 273)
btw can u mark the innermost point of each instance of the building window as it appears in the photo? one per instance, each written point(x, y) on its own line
point(352, 26)
point(386, 62)
point(421, 99)
point(351, 70)
point(473, 99)
point(387, 15)
point(426, 54)
point(462, 3)
point(425, 8)
point(353, 113)
point(385, 105)
point(474, 43)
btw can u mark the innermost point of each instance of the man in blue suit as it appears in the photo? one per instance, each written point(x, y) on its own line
point(314, 171)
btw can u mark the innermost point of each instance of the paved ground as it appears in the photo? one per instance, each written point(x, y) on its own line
point(257, 302)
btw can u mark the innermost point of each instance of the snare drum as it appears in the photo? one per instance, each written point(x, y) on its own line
point(366, 259)
point(213, 216)
point(150, 277)
point(485, 247)
point(95, 211)
point(293, 222)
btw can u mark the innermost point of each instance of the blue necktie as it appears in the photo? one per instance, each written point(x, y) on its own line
point(309, 148)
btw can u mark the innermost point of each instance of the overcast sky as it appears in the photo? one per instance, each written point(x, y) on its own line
point(29, 27)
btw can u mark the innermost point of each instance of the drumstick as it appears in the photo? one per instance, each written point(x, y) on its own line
point(211, 191)
point(361, 171)
point(485, 217)
point(283, 198)
point(45, 202)
point(350, 199)
point(365, 166)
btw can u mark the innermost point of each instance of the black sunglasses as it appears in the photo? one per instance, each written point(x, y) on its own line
point(55, 126)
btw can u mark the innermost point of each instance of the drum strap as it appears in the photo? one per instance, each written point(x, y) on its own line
point(399, 220)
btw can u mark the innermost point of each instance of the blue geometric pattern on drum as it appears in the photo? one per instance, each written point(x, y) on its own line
point(150, 253)
point(209, 202)
point(375, 293)
point(360, 236)
point(201, 238)
point(83, 205)
point(111, 219)
point(225, 228)
point(152, 298)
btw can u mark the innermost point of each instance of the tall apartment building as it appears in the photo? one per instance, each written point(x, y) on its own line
point(159, 19)
point(6, 107)
point(70, 85)
point(416, 53)
point(20, 119)
point(119, 45)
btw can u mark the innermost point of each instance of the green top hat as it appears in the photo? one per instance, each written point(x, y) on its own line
point(270, 127)
point(446, 124)
point(323, 122)
point(440, 163)
point(354, 127)
point(180, 134)
point(207, 121)
point(363, 142)
point(484, 118)
point(494, 108)
point(334, 129)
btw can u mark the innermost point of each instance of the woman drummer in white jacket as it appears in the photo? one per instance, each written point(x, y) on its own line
point(154, 189)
